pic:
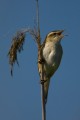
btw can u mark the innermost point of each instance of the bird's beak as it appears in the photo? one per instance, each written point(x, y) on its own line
point(60, 32)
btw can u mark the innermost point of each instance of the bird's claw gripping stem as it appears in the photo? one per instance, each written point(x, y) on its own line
point(43, 81)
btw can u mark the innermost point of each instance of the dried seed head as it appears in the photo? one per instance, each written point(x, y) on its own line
point(17, 46)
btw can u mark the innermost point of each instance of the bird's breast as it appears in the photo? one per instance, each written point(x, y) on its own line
point(49, 52)
point(52, 54)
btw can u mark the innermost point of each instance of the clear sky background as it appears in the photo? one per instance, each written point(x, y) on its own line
point(20, 96)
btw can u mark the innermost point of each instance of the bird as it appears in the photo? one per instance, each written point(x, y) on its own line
point(52, 54)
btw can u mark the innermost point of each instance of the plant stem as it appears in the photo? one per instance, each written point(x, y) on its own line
point(40, 60)
point(42, 95)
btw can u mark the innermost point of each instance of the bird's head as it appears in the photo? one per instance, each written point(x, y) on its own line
point(55, 36)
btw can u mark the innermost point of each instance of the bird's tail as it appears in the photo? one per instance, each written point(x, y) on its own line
point(46, 88)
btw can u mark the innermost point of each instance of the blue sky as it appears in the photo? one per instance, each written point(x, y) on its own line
point(20, 96)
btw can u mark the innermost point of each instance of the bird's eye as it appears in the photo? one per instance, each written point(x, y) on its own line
point(54, 33)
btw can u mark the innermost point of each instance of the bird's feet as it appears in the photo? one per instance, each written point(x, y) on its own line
point(43, 81)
